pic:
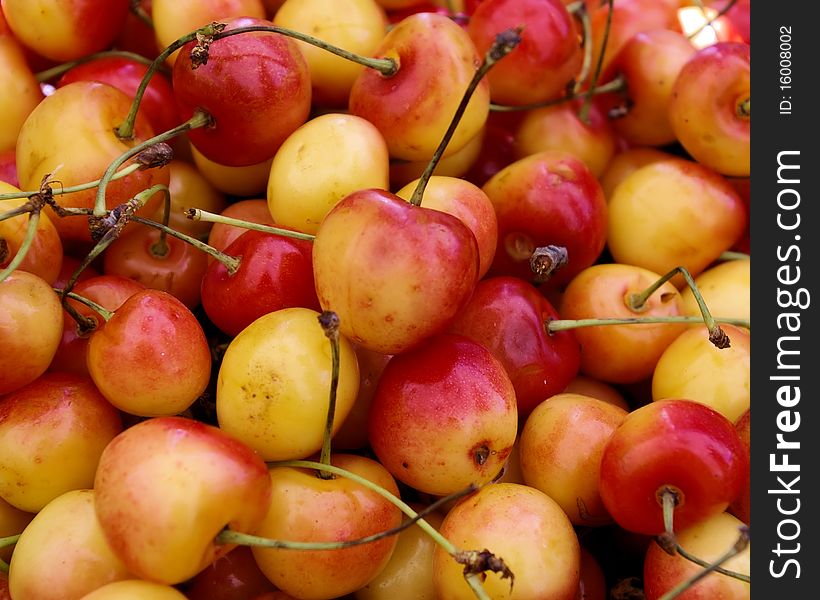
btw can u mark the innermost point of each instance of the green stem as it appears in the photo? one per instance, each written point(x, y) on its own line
point(199, 119)
point(717, 336)
point(160, 248)
point(330, 326)
point(505, 42)
point(586, 66)
point(564, 324)
point(197, 214)
point(25, 246)
point(587, 106)
point(4, 542)
point(235, 537)
point(734, 256)
point(103, 312)
point(136, 8)
point(718, 569)
point(737, 548)
point(125, 172)
point(15, 212)
point(446, 545)
point(54, 72)
point(386, 66)
point(574, 7)
point(231, 262)
point(125, 131)
point(616, 85)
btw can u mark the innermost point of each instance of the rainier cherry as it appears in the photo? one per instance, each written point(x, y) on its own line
point(151, 357)
point(674, 447)
point(413, 107)
point(63, 552)
point(547, 59)
point(304, 507)
point(523, 526)
point(444, 415)
point(255, 85)
point(167, 486)
point(395, 273)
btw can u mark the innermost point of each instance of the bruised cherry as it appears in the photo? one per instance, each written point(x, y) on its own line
point(444, 415)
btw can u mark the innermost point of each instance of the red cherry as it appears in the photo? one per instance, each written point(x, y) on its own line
point(255, 85)
point(674, 444)
point(274, 272)
point(508, 316)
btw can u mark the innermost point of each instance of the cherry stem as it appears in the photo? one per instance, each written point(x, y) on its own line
point(25, 246)
point(159, 249)
point(574, 7)
point(214, 31)
point(472, 579)
point(228, 536)
point(505, 42)
point(616, 85)
point(669, 500)
point(564, 324)
point(16, 212)
point(197, 214)
point(84, 322)
point(125, 172)
point(744, 108)
point(200, 118)
point(708, 23)
point(635, 303)
point(734, 256)
point(546, 260)
point(108, 228)
point(586, 66)
point(738, 547)
point(386, 66)
point(135, 6)
point(231, 262)
point(329, 321)
point(4, 542)
point(54, 72)
point(583, 114)
point(125, 131)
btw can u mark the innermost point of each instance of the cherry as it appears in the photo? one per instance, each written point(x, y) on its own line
point(255, 85)
point(675, 447)
point(507, 315)
point(274, 272)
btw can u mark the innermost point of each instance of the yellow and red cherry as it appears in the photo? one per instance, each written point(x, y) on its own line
point(151, 357)
point(548, 198)
point(673, 446)
point(548, 58)
point(444, 415)
point(256, 86)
